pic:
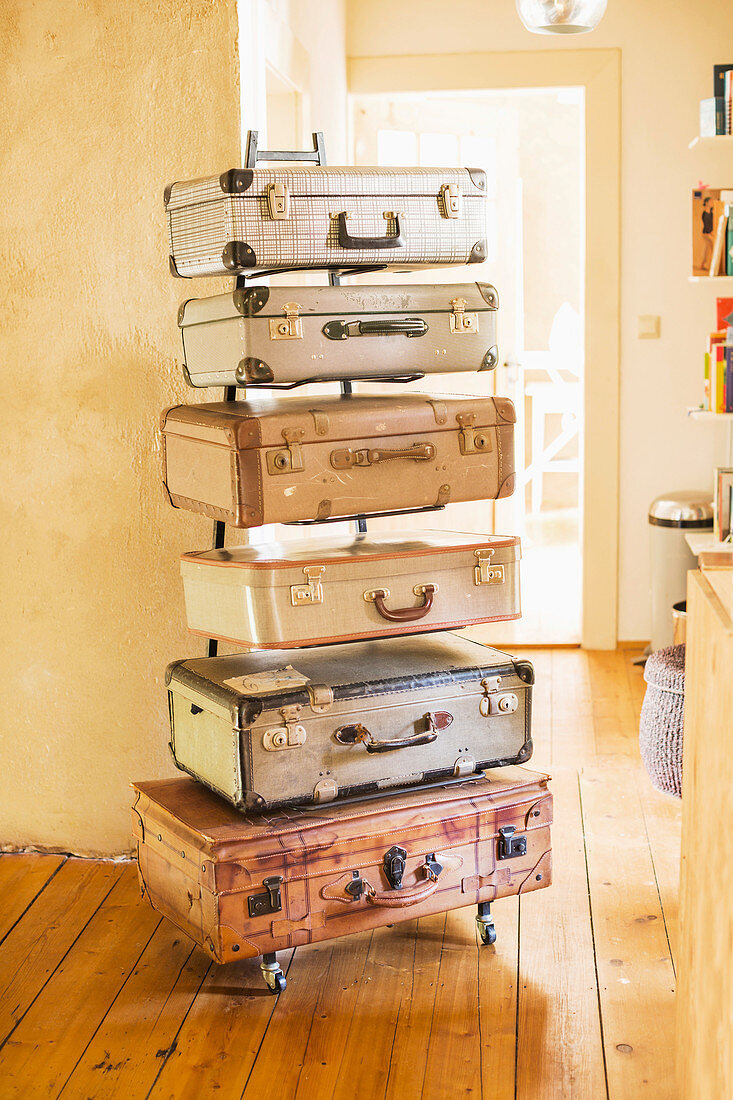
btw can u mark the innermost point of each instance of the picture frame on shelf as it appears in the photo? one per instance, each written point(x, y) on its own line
point(723, 503)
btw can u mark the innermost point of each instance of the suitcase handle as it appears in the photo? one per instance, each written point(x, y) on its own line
point(347, 458)
point(403, 614)
point(399, 898)
point(403, 326)
point(347, 241)
point(357, 734)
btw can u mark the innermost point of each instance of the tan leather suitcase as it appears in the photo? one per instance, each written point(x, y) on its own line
point(250, 463)
point(349, 588)
point(242, 886)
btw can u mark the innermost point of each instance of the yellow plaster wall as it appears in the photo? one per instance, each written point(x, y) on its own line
point(102, 103)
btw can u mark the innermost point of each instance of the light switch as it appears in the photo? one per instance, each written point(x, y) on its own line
point(649, 326)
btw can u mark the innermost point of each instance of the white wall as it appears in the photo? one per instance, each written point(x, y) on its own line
point(668, 51)
point(304, 41)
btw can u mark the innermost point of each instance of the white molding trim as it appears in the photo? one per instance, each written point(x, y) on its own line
point(599, 72)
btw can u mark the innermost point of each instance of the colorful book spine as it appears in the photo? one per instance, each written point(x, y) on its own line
point(728, 96)
point(719, 398)
point(708, 405)
point(728, 400)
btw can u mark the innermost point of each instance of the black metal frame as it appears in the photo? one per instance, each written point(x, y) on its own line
point(317, 156)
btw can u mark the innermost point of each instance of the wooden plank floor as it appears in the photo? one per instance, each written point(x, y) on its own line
point(100, 998)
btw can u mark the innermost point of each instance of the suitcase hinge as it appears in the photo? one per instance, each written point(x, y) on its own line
point(472, 440)
point(291, 328)
point(495, 702)
point(278, 201)
point(325, 790)
point(460, 321)
point(450, 193)
point(312, 591)
point(269, 902)
point(283, 461)
point(321, 697)
point(509, 845)
point(290, 736)
point(464, 765)
point(484, 572)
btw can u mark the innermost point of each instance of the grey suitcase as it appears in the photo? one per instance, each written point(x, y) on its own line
point(273, 729)
point(294, 334)
point(281, 219)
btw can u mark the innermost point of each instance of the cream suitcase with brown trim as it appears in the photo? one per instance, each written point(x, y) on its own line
point(290, 459)
point(275, 728)
point(284, 595)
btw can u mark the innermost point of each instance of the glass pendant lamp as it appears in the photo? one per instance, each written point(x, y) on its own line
point(561, 16)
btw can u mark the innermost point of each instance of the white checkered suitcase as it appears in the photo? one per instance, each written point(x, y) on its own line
point(264, 219)
point(287, 335)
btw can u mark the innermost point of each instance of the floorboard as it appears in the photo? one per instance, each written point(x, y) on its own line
point(101, 999)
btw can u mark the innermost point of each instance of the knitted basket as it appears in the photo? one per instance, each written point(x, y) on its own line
point(662, 716)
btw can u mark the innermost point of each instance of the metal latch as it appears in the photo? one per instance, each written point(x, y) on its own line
point(271, 902)
point(494, 702)
point(291, 328)
point(484, 572)
point(472, 440)
point(289, 736)
point(460, 321)
point(278, 201)
point(291, 457)
point(394, 866)
point(509, 845)
point(310, 592)
point(450, 193)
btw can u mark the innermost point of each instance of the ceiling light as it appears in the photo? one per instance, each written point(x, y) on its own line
point(561, 16)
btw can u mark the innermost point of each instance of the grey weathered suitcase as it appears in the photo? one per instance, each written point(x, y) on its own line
point(292, 459)
point(294, 334)
point(349, 588)
point(273, 729)
point(261, 219)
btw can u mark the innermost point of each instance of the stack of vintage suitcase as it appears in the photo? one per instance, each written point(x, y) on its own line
point(339, 762)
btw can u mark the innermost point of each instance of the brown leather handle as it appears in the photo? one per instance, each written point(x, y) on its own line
point(347, 458)
point(357, 734)
point(399, 899)
point(405, 614)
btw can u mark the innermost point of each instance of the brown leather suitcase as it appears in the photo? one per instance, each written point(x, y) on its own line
point(248, 885)
point(251, 463)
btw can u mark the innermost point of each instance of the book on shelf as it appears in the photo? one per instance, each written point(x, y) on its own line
point(719, 72)
point(712, 117)
point(717, 263)
point(724, 313)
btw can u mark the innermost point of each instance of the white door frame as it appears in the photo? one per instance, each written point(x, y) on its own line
point(599, 72)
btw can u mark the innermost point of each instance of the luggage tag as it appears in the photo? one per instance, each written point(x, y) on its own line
point(269, 682)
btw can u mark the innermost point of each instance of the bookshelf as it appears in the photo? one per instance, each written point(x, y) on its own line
point(710, 278)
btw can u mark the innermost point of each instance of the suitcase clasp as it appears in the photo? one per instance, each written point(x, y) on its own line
point(283, 461)
point(394, 866)
point(472, 440)
point(270, 902)
point(494, 702)
point(290, 736)
point(278, 201)
point(484, 572)
point(289, 328)
point(461, 322)
point(450, 194)
point(312, 591)
point(509, 845)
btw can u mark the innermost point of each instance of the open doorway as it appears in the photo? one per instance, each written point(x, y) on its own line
point(531, 143)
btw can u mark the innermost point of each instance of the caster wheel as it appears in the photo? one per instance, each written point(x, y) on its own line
point(277, 983)
point(488, 934)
